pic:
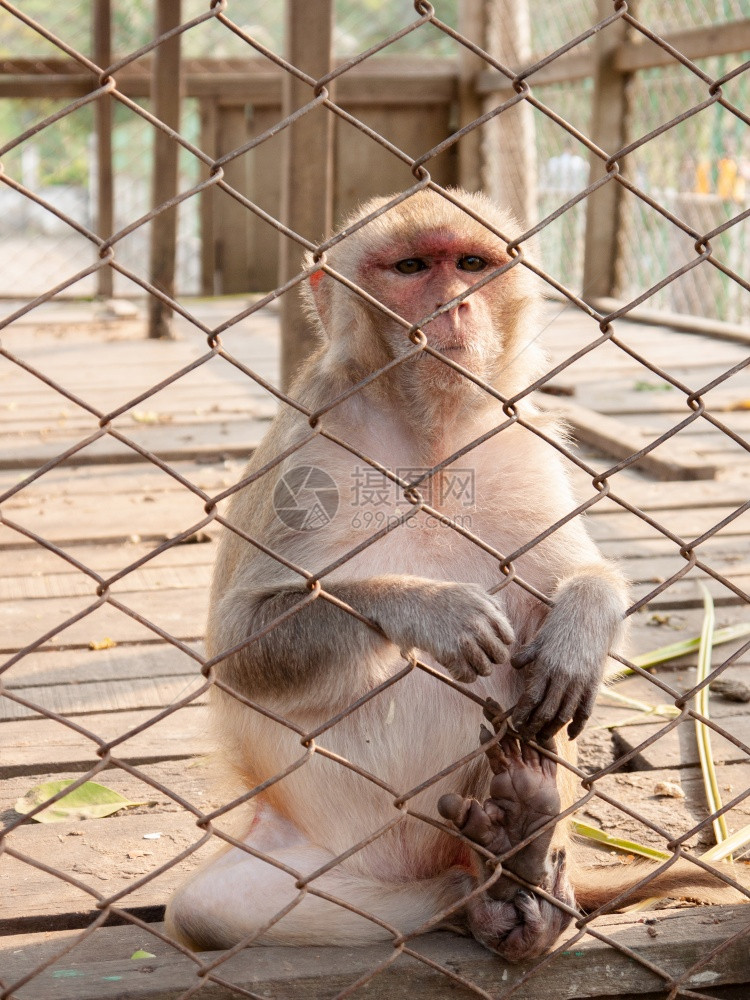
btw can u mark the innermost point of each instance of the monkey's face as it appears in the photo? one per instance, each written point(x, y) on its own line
point(423, 274)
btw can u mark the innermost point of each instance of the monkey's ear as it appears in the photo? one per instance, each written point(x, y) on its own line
point(318, 292)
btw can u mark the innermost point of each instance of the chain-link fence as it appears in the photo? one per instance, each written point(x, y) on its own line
point(710, 958)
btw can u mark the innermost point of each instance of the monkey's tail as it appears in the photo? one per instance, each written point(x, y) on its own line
point(596, 886)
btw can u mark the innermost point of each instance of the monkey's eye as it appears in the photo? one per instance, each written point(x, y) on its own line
point(411, 265)
point(471, 263)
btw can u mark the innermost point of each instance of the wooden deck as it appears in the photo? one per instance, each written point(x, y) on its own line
point(106, 507)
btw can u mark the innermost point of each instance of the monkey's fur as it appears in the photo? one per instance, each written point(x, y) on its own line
point(427, 588)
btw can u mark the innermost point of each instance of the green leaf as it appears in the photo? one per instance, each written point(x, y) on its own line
point(682, 648)
point(89, 801)
point(142, 954)
point(628, 846)
point(702, 732)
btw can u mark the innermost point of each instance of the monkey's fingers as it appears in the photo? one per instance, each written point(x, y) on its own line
point(502, 627)
point(524, 656)
point(536, 694)
point(565, 712)
point(552, 711)
point(582, 714)
point(497, 759)
point(495, 714)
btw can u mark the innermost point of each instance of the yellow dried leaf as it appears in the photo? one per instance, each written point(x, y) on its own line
point(102, 643)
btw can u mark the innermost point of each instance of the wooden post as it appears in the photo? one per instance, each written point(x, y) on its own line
point(607, 130)
point(232, 222)
point(307, 165)
point(165, 103)
point(209, 114)
point(102, 46)
point(511, 167)
point(472, 22)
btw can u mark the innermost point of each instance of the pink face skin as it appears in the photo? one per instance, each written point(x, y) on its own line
point(417, 277)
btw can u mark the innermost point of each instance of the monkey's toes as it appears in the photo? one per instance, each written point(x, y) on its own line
point(468, 816)
point(454, 807)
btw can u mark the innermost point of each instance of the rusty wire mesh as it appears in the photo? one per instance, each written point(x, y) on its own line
point(697, 408)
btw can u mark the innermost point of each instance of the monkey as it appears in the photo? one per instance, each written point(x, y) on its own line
point(358, 621)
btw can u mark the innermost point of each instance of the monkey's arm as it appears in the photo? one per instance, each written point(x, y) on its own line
point(563, 664)
point(458, 624)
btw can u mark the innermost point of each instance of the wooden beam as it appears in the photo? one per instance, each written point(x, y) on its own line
point(399, 90)
point(631, 56)
point(697, 43)
point(572, 66)
point(102, 46)
point(165, 98)
point(307, 166)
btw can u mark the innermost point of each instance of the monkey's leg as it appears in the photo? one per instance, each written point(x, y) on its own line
point(237, 895)
point(508, 919)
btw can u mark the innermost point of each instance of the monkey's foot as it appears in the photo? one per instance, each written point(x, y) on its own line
point(527, 925)
point(523, 800)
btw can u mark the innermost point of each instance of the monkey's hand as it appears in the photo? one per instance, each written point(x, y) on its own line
point(563, 664)
point(458, 624)
point(561, 681)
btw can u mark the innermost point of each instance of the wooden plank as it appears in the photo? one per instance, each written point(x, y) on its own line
point(166, 96)
point(719, 548)
point(687, 524)
point(685, 593)
point(671, 460)
point(30, 414)
point(119, 663)
point(90, 697)
point(194, 440)
point(155, 577)
point(45, 746)
point(199, 781)
point(89, 520)
point(590, 967)
point(365, 170)
point(111, 480)
point(181, 613)
point(713, 328)
point(105, 855)
point(307, 165)
point(40, 423)
point(106, 558)
point(678, 748)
